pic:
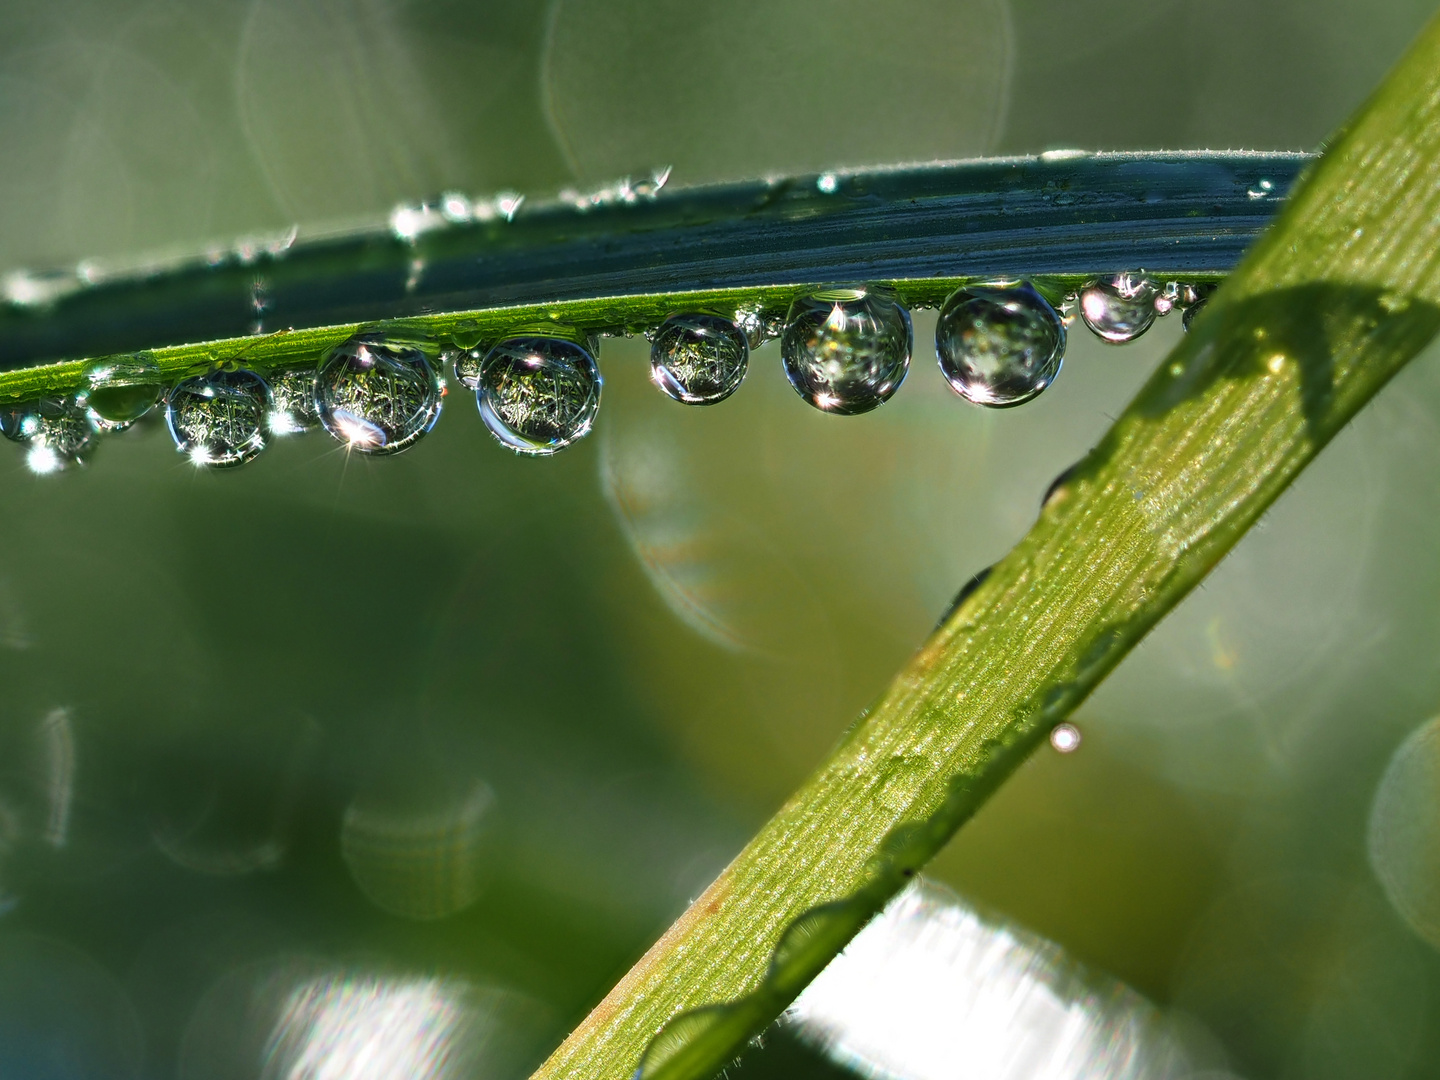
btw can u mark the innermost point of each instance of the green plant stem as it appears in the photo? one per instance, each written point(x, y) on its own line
point(1330, 304)
point(1056, 214)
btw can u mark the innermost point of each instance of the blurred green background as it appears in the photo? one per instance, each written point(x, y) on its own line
point(492, 721)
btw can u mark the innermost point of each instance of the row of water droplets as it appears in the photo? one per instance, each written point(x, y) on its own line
point(844, 350)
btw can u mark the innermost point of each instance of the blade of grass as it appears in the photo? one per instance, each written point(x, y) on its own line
point(628, 265)
point(1342, 292)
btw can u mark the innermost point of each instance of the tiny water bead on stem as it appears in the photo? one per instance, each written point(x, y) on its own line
point(537, 395)
point(999, 345)
point(846, 350)
point(1119, 308)
point(121, 390)
point(218, 419)
point(378, 394)
point(698, 359)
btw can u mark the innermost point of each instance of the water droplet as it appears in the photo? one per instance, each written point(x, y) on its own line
point(999, 346)
point(466, 365)
point(1065, 738)
point(815, 936)
point(1119, 308)
point(19, 421)
point(58, 430)
point(758, 327)
point(966, 591)
point(1059, 487)
point(122, 390)
point(680, 1033)
point(826, 183)
point(466, 334)
point(1168, 298)
point(538, 395)
point(698, 359)
point(218, 419)
point(1199, 296)
point(378, 395)
point(292, 392)
point(846, 350)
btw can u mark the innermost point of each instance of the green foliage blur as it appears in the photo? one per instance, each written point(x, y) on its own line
point(497, 720)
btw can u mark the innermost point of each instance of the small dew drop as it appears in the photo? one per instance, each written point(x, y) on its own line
point(827, 183)
point(1059, 487)
point(466, 366)
point(1119, 308)
point(698, 359)
point(966, 591)
point(757, 326)
point(376, 394)
point(846, 351)
point(999, 346)
point(466, 334)
point(121, 390)
point(1065, 738)
point(1190, 312)
point(218, 419)
point(537, 395)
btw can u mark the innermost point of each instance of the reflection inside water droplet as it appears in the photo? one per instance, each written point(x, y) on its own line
point(1119, 308)
point(466, 366)
point(377, 394)
point(218, 419)
point(698, 359)
point(538, 395)
point(58, 431)
point(292, 392)
point(999, 346)
point(846, 351)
